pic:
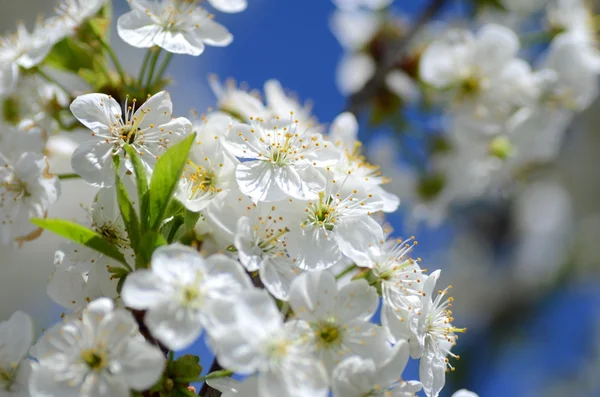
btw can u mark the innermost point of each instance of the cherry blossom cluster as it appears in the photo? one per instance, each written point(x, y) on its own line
point(253, 228)
point(507, 83)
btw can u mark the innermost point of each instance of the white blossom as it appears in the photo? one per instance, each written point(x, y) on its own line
point(149, 130)
point(285, 161)
point(71, 15)
point(353, 164)
point(102, 354)
point(358, 377)
point(177, 290)
point(177, 26)
point(27, 190)
point(250, 336)
point(21, 50)
point(209, 173)
point(338, 319)
point(337, 223)
point(16, 337)
point(425, 322)
point(258, 232)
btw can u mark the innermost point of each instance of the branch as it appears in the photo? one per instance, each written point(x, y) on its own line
point(395, 52)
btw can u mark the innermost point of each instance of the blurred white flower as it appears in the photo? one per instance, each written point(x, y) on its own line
point(16, 337)
point(101, 354)
point(177, 290)
point(27, 190)
point(179, 27)
point(24, 50)
point(251, 336)
point(229, 5)
point(358, 377)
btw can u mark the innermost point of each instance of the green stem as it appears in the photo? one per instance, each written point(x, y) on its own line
point(113, 57)
point(346, 271)
point(163, 67)
point(144, 66)
point(68, 176)
point(51, 80)
point(152, 67)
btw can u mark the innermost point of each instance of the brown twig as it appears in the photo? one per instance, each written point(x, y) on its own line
point(395, 52)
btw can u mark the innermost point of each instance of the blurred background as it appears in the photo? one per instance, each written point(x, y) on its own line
point(524, 266)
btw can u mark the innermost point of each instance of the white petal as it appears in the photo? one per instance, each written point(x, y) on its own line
point(156, 110)
point(242, 143)
point(356, 300)
point(344, 130)
point(96, 111)
point(178, 43)
point(443, 61)
point(357, 236)
point(301, 182)
point(143, 290)
point(221, 264)
point(213, 33)
point(137, 29)
point(390, 370)
point(432, 373)
point(16, 337)
point(142, 364)
point(313, 248)
point(177, 263)
point(258, 179)
point(464, 393)
point(177, 327)
point(92, 160)
point(495, 46)
point(353, 377)
point(229, 5)
point(312, 295)
point(277, 274)
point(353, 72)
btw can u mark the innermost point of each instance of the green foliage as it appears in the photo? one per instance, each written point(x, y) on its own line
point(130, 218)
point(141, 179)
point(81, 235)
point(164, 180)
point(149, 241)
point(177, 377)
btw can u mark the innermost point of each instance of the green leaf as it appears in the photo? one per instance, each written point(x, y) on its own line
point(187, 366)
point(191, 218)
point(170, 229)
point(165, 177)
point(141, 180)
point(81, 235)
point(148, 243)
point(130, 218)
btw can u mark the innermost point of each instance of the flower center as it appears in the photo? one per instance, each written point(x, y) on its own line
point(322, 213)
point(7, 378)
point(17, 187)
point(470, 86)
point(203, 179)
point(128, 134)
point(190, 294)
point(329, 334)
point(112, 234)
point(94, 359)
